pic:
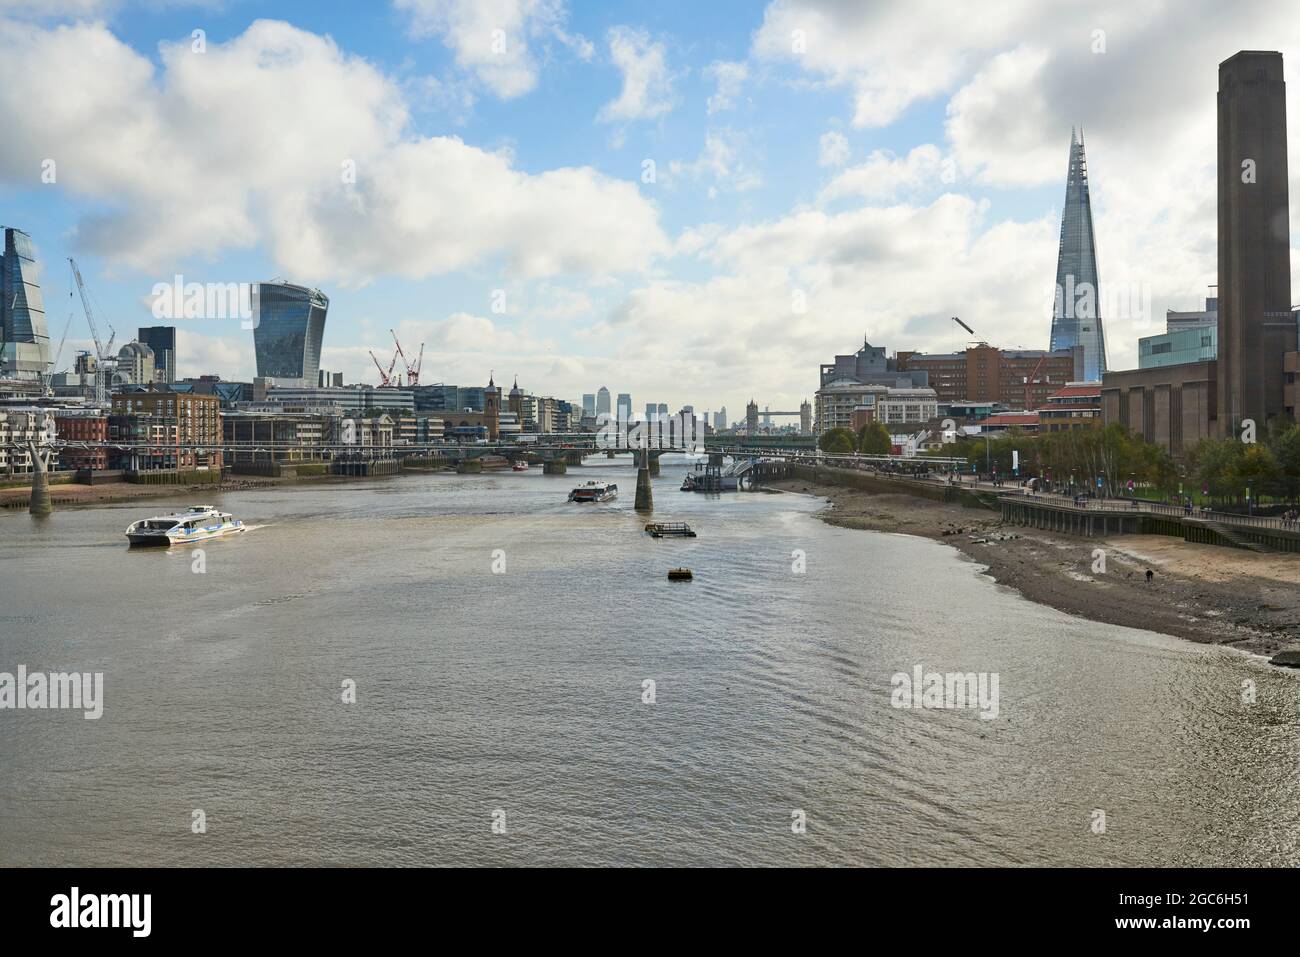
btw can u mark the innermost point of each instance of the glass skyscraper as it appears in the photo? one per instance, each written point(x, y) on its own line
point(1076, 315)
point(290, 323)
point(26, 339)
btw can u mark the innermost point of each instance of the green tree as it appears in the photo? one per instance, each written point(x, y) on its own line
point(837, 442)
point(874, 439)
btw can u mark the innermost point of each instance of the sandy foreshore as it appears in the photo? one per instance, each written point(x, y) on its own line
point(1204, 593)
point(71, 495)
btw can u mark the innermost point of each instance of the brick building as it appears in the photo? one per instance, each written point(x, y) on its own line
point(1019, 378)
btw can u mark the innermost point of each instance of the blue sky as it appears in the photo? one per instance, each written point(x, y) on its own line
point(824, 172)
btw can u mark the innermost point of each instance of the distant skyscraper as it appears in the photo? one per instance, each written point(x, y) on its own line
point(1076, 314)
point(290, 327)
point(26, 340)
point(723, 415)
point(589, 404)
point(1255, 322)
point(602, 401)
point(663, 410)
point(651, 411)
point(162, 340)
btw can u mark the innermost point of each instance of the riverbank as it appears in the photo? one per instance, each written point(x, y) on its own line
point(69, 495)
point(1203, 593)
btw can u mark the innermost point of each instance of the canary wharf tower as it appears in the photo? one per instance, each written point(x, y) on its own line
point(1076, 315)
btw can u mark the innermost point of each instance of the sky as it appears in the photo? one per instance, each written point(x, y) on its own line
point(695, 203)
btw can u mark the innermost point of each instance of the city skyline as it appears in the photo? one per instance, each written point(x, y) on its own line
point(827, 155)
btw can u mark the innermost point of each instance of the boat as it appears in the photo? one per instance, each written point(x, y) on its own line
point(520, 466)
point(680, 575)
point(670, 530)
point(688, 483)
point(198, 523)
point(593, 492)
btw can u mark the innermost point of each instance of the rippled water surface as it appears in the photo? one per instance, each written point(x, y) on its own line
point(522, 693)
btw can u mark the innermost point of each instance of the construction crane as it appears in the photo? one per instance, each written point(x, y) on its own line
point(1029, 384)
point(385, 378)
point(103, 354)
point(412, 371)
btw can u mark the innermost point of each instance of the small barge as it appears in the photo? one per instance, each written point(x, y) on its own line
point(670, 530)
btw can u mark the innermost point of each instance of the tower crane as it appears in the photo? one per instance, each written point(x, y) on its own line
point(385, 378)
point(103, 354)
point(412, 371)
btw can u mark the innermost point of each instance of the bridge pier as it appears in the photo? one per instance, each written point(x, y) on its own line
point(644, 497)
point(40, 503)
point(555, 467)
point(654, 465)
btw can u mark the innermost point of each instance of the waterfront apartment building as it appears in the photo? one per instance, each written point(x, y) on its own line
point(176, 430)
point(289, 325)
point(90, 427)
point(18, 426)
point(837, 405)
point(1019, 378)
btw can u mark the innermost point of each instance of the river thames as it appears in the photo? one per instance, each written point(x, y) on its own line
point(501, 640)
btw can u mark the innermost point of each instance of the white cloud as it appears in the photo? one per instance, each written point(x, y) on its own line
point(721, 162)
point(730, 76)
point(647, 84)
point(834, 149)
point(884, 175)
point(490, 38)
point(249, 142)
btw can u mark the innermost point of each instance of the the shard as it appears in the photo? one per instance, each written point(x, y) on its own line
point(1076, 315)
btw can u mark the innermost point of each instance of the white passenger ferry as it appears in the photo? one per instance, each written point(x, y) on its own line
point(593, 492)
point(199, 523)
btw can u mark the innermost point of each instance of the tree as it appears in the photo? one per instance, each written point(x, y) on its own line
point(874, 439)
point(836, 442)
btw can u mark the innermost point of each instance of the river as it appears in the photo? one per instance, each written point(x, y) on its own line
point(517, 697)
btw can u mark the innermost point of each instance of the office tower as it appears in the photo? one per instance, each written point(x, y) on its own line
point(289, 326)
point(602, 401)
point(1076, 313)
point(663, 410)
point(723, 415)
point(26, 352)
point(624, 407)
point(651, 411)
point(589, 405)
point(1256, 325)
point(162, 340)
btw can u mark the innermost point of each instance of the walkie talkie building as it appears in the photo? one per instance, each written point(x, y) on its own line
point(289, 330)
point(1076, 314)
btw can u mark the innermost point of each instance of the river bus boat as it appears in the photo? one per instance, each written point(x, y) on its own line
point(197, 524)
point(593, 492)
